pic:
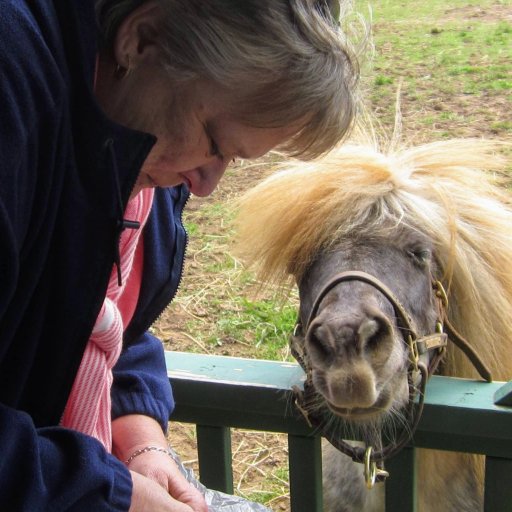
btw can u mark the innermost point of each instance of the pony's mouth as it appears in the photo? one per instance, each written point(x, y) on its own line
point(379, 408)
point(356, 413)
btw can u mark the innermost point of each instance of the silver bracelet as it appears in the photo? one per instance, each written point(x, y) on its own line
point(146, 449)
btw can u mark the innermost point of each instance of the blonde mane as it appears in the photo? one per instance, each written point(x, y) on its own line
point(449, 190)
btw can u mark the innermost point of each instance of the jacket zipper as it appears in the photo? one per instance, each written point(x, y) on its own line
point(182, 268)
point(182, 271)
point(158, 304)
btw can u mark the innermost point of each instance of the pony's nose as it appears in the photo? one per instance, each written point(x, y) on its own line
point(345, 337)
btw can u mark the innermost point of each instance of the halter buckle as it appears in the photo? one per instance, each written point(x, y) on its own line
point(372, 472)
point(413, 349)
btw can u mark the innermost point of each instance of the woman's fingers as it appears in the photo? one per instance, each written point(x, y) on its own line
point(148, 496)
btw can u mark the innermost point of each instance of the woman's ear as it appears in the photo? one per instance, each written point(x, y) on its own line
point(136, 40)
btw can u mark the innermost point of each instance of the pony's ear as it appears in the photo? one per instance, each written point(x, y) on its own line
point(136, 40)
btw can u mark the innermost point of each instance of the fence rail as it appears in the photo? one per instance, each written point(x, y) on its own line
point(219, 393)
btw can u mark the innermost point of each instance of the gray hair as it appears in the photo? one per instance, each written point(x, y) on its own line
point(282, 61)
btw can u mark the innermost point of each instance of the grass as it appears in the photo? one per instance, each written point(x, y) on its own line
point(256, 454)
point(270, 325)
point(442, 52)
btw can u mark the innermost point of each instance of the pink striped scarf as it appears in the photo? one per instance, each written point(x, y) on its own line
point(88, 409)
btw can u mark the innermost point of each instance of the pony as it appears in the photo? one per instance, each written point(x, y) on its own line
point(407, 217)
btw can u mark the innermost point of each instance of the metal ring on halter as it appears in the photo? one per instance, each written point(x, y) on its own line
point(371, 470)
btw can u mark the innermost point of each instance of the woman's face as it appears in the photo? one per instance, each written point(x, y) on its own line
point(196, 146)
point(197, 132)
point(197, 136)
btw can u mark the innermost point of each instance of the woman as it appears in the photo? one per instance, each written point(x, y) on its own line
point(112, 112)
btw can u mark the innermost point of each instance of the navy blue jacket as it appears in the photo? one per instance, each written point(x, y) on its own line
point(66, 173)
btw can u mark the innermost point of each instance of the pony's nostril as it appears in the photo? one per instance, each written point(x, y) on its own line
point(367, 330)
point(320, 342)
point(373, 331)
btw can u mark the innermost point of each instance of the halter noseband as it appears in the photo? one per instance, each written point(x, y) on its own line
point(431, 346)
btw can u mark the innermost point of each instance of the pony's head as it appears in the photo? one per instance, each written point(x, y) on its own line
point(407, 217)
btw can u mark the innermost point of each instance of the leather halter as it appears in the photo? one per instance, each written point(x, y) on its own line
point(431, 346)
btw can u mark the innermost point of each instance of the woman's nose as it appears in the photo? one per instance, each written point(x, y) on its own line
point(212, 174)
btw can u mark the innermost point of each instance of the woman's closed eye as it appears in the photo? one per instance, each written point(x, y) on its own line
point(214, 148)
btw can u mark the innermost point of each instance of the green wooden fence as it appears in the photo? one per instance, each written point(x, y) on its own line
point(219, 393)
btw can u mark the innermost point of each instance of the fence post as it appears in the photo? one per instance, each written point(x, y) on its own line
point(498, 485)
point(305, 462)
point(401, 483)
point(214, 453)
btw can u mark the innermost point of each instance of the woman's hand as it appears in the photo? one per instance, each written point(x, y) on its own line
point(148, 496)
point(161, 468)
point(153, 471)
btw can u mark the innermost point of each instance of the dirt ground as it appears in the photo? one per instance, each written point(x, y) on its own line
point(258, 456)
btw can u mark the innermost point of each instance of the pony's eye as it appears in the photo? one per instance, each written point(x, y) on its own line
point(420, 255)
